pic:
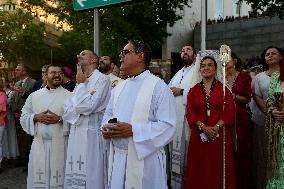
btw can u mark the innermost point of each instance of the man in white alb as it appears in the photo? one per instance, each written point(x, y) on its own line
point(84, 111)
point(106, 65)
point(180, 85)
point(41, 118)
point(143, 107)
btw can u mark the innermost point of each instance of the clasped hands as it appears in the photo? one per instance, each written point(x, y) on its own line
point(117, 130)
point(47, 117)
point(211, 132)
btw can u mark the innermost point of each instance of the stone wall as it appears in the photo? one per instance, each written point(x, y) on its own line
point(246, 38)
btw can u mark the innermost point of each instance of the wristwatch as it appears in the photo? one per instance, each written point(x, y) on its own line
point(60, 120)
point(219, 126)
point(181, 91)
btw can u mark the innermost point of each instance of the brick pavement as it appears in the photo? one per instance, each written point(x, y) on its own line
point(13, 178)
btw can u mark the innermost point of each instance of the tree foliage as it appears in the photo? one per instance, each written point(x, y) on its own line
point(146, 20)
point(270, 7)
point(21, 38)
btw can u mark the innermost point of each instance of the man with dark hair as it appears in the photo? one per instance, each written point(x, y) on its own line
point(180, 86)
point(106, 65)
point(23, 89)
point(84, 112)
point(41, 118)
point(139, 121)
point(42, 82)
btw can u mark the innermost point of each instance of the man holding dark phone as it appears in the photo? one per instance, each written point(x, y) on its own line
point(145, 110)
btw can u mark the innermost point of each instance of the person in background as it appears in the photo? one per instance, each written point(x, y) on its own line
point(3, 117)
point(106, 66)
point(274, 129)
point(10, 143)
point(271, 56)
point(116, 70)
point(22, 89)
point(42, 82)
point(254, 69)
point(123, 75)
point(67, 81)
point(239, 82)
point(155, 69)
point(180, 85)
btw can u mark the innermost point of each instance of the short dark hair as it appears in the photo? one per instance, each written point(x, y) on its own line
point(25, 67)
point(45, 66)
point(193, 49)
point(141, 46)
point(51, 65)
point(211, 58)
point(110, 58)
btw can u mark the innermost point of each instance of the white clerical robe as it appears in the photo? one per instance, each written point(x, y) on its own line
point(179, 145)
point(114, 80)
point(84, 111)
point(47, 155)
point(149, 138)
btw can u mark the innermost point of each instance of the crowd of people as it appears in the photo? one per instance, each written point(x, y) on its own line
point(123, 127)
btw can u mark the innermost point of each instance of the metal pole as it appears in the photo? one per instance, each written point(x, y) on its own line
point(51, 55)
point(203, 24)
point(96, 32)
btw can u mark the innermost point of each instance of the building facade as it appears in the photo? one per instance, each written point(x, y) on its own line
point(182, 31)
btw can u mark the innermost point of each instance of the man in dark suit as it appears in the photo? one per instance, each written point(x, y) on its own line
point(22, 89)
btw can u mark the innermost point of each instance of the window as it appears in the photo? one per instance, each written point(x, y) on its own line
point(219, 9)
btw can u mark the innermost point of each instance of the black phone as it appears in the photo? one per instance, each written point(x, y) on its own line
point(113, 120)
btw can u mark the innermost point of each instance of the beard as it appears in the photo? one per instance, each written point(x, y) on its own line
point(54, 84)
point(187, 61)
point(104, 68)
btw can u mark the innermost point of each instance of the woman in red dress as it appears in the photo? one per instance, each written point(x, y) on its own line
point(240, 84)
point(208, 112)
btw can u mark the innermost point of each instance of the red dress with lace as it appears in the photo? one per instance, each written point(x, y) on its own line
point(205, 159)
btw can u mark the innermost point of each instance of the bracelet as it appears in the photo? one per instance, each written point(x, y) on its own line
point(200, 126)
point(218, 126)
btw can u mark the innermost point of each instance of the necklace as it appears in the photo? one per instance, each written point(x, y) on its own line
point(232, 81)
point(207, 96)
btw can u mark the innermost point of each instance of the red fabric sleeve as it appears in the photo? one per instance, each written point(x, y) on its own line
point(191, 116)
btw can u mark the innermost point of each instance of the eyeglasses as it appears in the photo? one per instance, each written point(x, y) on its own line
point(54, 73)
point(125, 52)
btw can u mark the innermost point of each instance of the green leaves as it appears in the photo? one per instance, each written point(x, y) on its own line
point(146, 20)
point(270, 7)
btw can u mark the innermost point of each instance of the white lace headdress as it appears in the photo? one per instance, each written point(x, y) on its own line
point(196, 77)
